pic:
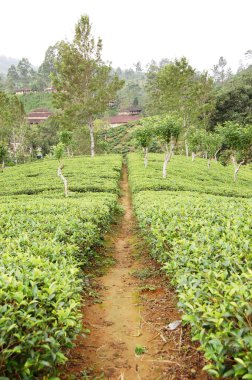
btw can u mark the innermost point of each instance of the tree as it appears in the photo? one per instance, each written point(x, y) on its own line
point(212, 144)
point(3, 154)
point(47, 67)
point(167, 128)
point(25, 72)
point(220, 72)
point(234, 100)
point(138, 67)
point(143, 136)
point(195, 141)
point(83, 82)
point(135, 102)
point(208, 143)
point(66, 138)
point(177, 88)
point(12, 80)
point(12, 124)
point(237, 142)
point(59, 150)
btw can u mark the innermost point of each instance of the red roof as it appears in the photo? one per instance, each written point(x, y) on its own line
point(38, 115)
point(122, 119)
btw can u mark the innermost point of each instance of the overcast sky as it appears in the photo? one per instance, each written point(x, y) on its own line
point(132, 30)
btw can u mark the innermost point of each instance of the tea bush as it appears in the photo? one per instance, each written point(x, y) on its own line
point(45, 240)
point(205, 244)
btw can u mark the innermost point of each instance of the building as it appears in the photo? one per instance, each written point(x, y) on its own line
point(130, 111)
point(49, 89)
point(115, 121)
point(38, 115)
point(22, 91)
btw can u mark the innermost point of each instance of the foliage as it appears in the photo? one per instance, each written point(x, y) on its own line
point(3, 152)
point(11, 115)
point(83, 82)
point(185, 175)
point(98, 175)
point(140, 350)
point(66, 137)
point(39, 313)
point(43, 241)
point(143, 136)
point(237, 139)
point(233, 105)
point(234, 100)
point(201, 141)
point(59, 150)
point(206, 252)
point(204, 242)
point(36, 100)
point(220, 72)
point(118, 140)
point(177, 87)
point(167, 127)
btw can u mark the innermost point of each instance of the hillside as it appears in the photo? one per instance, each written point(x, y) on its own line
point(37, 100)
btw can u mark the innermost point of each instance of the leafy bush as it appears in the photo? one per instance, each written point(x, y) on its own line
point(39, 303)
point(204, 242)
point(205, 245)
point(44, 240)
point(185, 175)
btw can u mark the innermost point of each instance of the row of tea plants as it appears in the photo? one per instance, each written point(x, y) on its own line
point(185, 175)
point(45, 241)
point(205, 244)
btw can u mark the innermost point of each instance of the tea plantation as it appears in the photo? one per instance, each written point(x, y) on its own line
point(45, 241)
point(198, 224)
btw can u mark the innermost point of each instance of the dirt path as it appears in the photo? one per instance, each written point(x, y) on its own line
point(135, 310)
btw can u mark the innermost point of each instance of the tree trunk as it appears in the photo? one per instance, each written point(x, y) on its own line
point(193, 156)
point(168, 156)
point(64, 180)
point(215, 155)
point(68, 152)
point(236, 167)
point(145, 157)
point(186, 149)
point(91, 130)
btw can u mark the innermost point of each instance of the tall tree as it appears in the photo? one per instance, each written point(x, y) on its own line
point(237, 142)
point(234, 100)
point(167, 129)
point(47, 67)
point(25, 72)
point(220, 71)
point(83, 82)
point(144, 136)
point(12, 80)
point(177, 88)
point(12, 124)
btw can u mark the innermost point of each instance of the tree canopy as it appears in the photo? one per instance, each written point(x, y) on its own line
point(84, 83)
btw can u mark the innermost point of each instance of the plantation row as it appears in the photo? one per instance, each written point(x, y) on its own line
point(83, 174)
point(185, 175)
point(45, 242)
point(205, 244)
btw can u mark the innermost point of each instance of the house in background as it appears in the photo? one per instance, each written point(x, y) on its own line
point(125, 116)
point(116, 121)
point(22, 91)
point(38, 115)
point(132, 111)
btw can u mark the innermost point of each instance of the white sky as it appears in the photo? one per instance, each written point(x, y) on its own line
point(132, 30)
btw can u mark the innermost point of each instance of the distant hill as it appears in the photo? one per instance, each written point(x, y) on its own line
point(6, 62)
